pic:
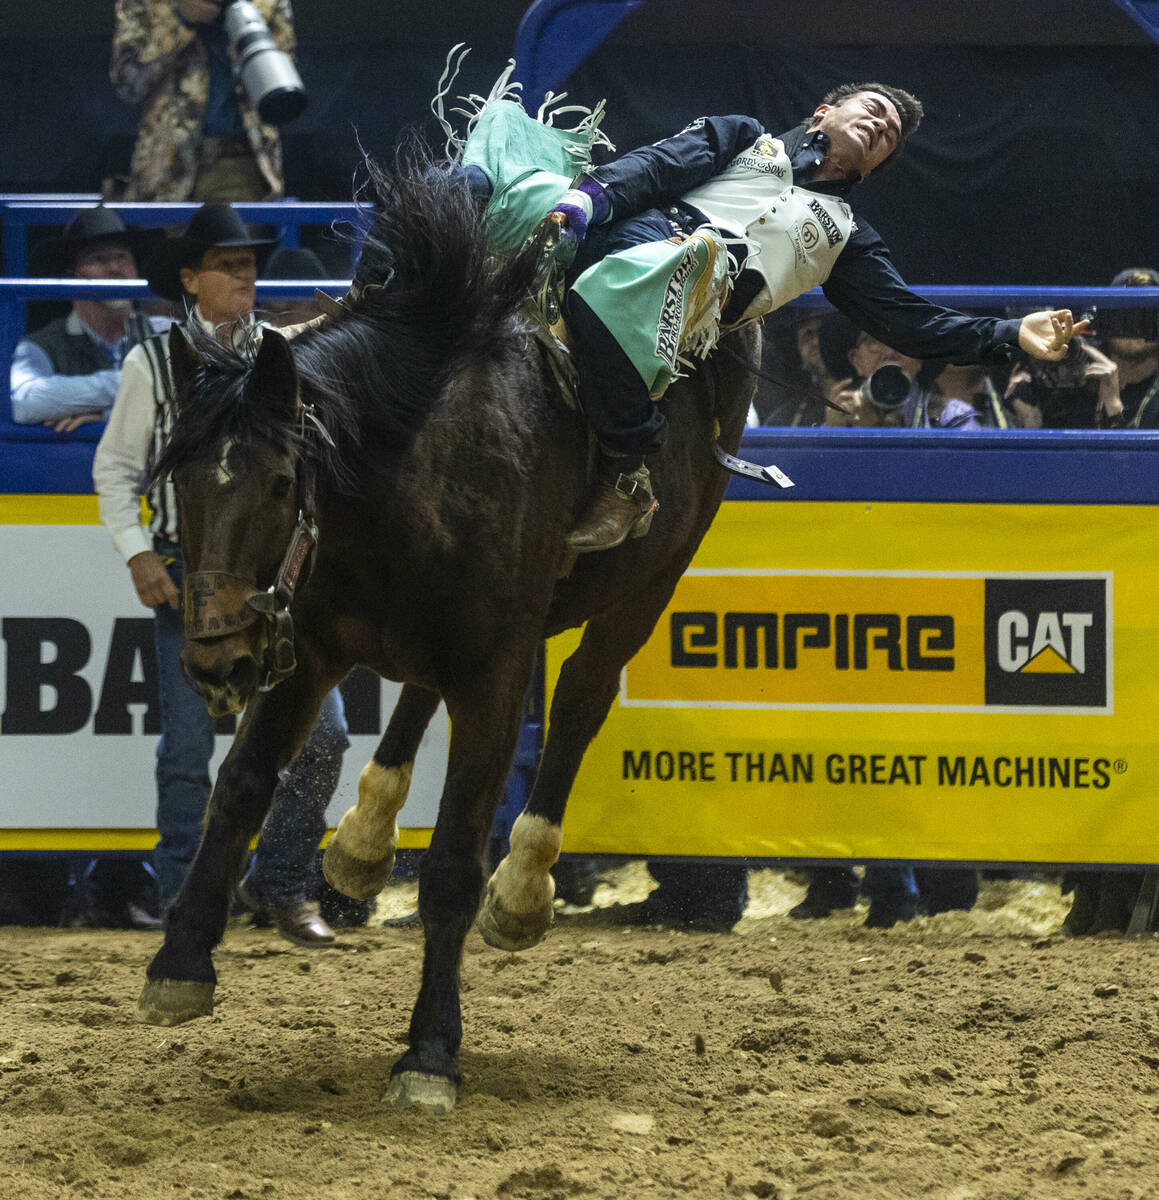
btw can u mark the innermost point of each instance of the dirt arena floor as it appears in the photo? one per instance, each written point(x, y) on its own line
point(963, 1057)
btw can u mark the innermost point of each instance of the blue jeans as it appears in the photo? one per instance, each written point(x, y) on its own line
point(893, 886)
point(296, 821)
point(283, 868)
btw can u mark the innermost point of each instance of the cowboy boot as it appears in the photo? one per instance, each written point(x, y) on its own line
point(622, 506)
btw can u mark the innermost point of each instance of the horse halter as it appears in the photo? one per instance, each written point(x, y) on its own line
point(218, 603)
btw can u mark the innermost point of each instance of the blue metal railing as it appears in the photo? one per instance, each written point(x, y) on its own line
point(19, 214)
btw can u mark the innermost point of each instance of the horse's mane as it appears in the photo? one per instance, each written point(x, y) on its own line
point(438, 300)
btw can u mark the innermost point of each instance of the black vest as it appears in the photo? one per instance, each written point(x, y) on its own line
point(71, 353)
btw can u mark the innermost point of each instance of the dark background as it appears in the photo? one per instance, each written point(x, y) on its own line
point(1038, 161)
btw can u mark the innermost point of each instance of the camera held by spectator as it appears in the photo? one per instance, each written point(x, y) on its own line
point(269, 76)
point(886, 390)
point(883, 389)
point(1079, 392)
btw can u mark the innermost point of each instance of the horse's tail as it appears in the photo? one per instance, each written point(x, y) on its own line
point(427, 251)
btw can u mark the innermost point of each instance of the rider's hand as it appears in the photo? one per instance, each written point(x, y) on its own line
point(152, 581)
point(576, 209)
point(1047, 334)
point(584, 205)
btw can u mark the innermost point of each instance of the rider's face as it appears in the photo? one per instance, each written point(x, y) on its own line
point(863, 130)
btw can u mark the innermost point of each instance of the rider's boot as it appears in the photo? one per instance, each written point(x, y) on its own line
point(621, 507)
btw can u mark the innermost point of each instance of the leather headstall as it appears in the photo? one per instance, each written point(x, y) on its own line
point(218, 603)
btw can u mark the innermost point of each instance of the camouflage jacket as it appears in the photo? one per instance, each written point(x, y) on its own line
point(160, 61)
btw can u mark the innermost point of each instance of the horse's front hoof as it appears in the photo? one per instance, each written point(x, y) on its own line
point(432, 1094)
point(512, 931)
point(355, 877)
point(172, 1001)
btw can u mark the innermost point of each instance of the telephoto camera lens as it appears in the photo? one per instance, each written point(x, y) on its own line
point(886, 388)
point(269, 76)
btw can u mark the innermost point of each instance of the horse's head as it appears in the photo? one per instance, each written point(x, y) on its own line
point(246, 504)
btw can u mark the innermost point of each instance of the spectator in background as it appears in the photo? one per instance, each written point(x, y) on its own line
point(1108, 388)
point(887, 389)
point(1130, 337)
point(708, 896)
point(1080, 392)
point(804, 382)
point(292, 262)
point(974, 384)
point(66, 373)
point(1105, 902)
point(200, 138)
point(213, 267)
point(892, 893)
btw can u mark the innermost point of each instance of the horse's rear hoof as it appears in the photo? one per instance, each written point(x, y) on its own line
point(355, 877)
point(172, 1001)
point(512, 931)
point(431, 1093)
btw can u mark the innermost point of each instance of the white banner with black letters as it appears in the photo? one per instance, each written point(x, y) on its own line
point(78, 709)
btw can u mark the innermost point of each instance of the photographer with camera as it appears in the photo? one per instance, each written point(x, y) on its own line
point(215, 78)
point(1131, 339)
point(1080, 392)
point(1091, 388)
point(888, 389)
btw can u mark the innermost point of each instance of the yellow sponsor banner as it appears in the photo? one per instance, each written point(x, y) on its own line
point(834, 639)
point(94, 840)
point(925, 681)
point(19, 509)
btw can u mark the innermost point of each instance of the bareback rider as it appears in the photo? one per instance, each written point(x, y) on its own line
point(658, 227)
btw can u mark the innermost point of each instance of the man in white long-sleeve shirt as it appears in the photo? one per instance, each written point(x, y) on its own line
point(67, 373)
point(214, 265)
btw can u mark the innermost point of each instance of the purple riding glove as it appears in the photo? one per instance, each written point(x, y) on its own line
point(583, 206)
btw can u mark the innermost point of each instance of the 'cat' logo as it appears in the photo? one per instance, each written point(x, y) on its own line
point(1058, 646)
point(1046, 642)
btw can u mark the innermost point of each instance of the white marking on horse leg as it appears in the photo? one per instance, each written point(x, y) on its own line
point(522, 882)
point(369, 830)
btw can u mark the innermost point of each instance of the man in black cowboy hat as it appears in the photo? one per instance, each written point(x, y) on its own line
point(213, 267)
point(66, 374)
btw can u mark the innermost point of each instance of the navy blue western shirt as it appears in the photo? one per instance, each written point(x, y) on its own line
point(863, 284)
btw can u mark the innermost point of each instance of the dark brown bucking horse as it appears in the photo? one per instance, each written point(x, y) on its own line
point(425, 431)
